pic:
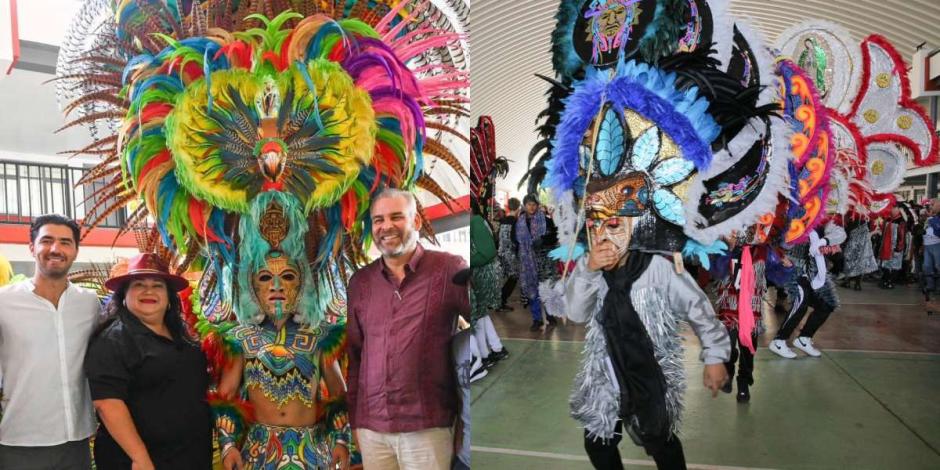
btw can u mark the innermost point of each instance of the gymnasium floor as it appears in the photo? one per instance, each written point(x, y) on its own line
point(872, 401)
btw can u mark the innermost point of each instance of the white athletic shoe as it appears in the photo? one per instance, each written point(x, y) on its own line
point(779, 347)
point(478, 374)
point(806, 345)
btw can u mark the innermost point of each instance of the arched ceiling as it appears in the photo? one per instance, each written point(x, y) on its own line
point(510, 41)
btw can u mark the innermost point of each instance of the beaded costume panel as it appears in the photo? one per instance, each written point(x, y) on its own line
point(283, 364)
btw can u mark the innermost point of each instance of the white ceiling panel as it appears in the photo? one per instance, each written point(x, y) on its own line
point(511, 42)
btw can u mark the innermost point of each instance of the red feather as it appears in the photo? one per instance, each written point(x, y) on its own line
point(155, 161)
point(197, 213)
point(189, 318)
point(349, 206)
point(168, 66)
point(272, 186)
point(238, 53)
point(284, 47)
point(243, 407)
point(154, 111)
point(338, 53)
point(385, 160)
point(192, 71)
point(274, 59)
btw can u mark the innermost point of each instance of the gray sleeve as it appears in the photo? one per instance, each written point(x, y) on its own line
point(834, 234)
point(687, 299)
point(584, 292)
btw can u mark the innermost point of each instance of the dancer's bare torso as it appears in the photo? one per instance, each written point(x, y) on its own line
point(281, 369)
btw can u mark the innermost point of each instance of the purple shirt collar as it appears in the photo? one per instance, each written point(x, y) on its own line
point(412, 265)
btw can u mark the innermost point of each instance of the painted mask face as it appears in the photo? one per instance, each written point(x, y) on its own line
point(628, 197)
point(617, 230)
point(277, 286)
point(612, 19)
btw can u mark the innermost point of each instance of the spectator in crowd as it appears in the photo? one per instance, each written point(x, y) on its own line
point(536, 236)
point(507, 251)
point(932, 247)
point(45, 324)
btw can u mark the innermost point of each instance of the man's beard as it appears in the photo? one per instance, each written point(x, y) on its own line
point(53, 273)
point(406, 246)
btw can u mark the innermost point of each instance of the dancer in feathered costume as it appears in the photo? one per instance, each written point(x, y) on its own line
point(741, 284)
point(679, 145)
point(485, 292)
point(254, 135)
point(485, 267)
point(869, 124)
point(810, 287)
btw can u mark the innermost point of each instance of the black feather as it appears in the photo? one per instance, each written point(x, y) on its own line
point(286, 106)
point(538, 148)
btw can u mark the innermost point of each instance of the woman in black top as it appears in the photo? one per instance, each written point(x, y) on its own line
point(148, 378)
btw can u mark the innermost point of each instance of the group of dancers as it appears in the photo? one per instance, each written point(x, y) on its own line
point(676, 139)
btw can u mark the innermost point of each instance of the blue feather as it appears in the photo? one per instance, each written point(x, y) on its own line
point(669, 206)
point(695, 250)
point(166, 192)
point(143, 59)
point(167, 82)
point(671, 171)
point(561, 253)
point(314, 47)
point(131, 158)
point(645, 149)
point(313, 91)
point(208, 77)
point(609, 148)
point(645, 90)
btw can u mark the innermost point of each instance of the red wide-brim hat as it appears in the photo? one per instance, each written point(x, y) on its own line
point(147, 265)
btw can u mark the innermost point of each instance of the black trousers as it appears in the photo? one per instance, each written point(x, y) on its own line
point(604, 454)
point(74, 455)
point(808, 298)
point(838, 263)
point(508, 287)
point(743, 357)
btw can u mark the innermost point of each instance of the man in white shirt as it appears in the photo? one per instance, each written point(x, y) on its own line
point(45, 324)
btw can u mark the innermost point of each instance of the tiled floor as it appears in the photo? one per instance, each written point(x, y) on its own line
point(871, 402)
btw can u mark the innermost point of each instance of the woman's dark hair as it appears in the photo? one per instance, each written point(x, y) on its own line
point(173, 319)
point(530, 198)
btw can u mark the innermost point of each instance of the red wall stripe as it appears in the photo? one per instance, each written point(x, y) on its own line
point(19, 234)
point(15, 33)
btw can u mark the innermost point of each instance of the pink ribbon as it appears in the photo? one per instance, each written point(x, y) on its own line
point(745, 293)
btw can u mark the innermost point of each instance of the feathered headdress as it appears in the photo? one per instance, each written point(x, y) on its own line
point(652, 126)
point(226, 108)
point(602, 33)
point(877, 129)
point(485, 166)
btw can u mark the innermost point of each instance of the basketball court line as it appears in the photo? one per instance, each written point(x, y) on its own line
point(864, 351)
point(583, 458)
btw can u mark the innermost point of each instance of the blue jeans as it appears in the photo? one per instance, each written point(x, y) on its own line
point(535, 306)
point(931, 265)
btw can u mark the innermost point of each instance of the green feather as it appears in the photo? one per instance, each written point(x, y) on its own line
point(332, 341)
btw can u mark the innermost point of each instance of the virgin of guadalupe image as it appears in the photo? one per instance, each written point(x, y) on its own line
point(813, 61)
